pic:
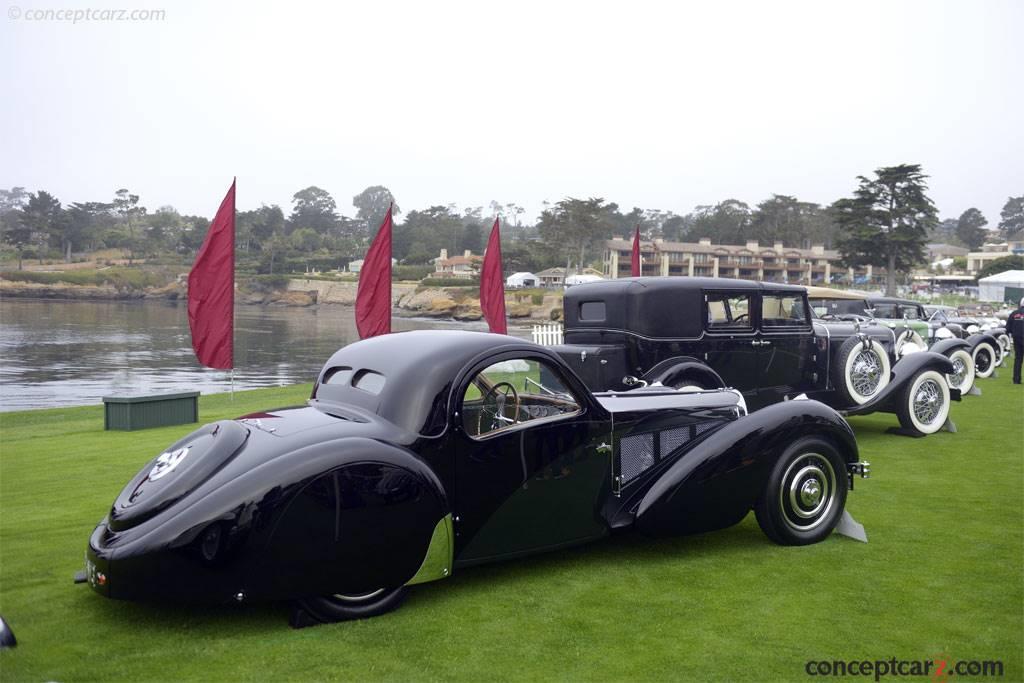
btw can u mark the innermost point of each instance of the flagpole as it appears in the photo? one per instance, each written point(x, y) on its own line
point(234, 216)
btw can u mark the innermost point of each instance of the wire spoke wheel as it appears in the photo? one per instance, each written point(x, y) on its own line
point(959, 373)
point(867, 373)
point(927, 402)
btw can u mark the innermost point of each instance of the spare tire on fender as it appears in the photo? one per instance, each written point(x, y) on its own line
point(861, 370)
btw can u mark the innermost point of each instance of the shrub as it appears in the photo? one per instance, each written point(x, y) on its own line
point(1012, 262)
point(450, 282)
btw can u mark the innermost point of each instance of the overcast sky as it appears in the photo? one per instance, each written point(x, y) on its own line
point(658, 105)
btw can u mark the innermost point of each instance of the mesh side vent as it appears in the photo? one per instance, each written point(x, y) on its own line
point(672, 439)
point(704, 426)
point(637, 455)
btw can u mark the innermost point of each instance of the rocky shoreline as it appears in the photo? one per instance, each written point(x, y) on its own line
point(409, 299)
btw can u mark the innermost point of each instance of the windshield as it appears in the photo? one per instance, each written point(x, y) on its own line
point(835, 307)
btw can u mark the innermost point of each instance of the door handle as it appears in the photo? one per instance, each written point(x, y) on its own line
point(755, 343)
point(766, 343)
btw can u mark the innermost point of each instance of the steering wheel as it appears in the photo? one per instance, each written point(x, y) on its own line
point(740, 317)
point(499, 400)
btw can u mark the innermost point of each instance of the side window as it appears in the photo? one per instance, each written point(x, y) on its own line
point(779, 310)
point(910, 313)
point(885, 310)
point(728, 311)
point(514, 392)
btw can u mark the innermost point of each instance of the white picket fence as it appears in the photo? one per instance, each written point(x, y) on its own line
point(547, 334)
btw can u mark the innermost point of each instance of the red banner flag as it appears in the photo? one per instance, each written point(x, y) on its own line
point(211, 291)
point(636, 253)
point(492, 284)
point(373, 296)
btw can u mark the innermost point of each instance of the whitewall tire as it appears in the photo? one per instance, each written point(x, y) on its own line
point(924, 404)
point(963, 376)
point(863, 372)
point(985, 359)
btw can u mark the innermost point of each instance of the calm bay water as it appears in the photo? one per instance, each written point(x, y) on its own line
point(61, 353)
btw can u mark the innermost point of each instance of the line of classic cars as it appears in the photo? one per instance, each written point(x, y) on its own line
point(676, 406)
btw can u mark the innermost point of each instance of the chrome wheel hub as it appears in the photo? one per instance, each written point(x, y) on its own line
point(866, 373)
point(959, 371)
point(807, 492)
point(927, 402)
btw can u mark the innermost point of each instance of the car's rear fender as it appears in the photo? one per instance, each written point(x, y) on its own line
point(674, 371)
point(299, 524)
point(716, 483)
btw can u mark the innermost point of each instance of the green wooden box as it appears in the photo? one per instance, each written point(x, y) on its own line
point(142, 412)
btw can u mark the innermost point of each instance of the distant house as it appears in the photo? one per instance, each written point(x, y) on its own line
point(939, 252)
point(552, 277)
point(465, 266)
point(521, 280)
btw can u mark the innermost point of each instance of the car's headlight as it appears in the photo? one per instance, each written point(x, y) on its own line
point(972, 329)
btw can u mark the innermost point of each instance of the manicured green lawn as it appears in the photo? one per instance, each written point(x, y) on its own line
point(942, 574)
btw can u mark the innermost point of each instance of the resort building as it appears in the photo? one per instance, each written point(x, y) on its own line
point(750, 261)
point(976, 260)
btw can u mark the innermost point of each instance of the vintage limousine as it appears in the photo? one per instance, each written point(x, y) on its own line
point(759, 338)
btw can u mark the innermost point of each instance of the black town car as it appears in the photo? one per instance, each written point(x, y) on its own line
point(756, 337)
point(425, 452)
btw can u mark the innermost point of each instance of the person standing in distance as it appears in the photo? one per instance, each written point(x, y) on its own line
point(1015, 326)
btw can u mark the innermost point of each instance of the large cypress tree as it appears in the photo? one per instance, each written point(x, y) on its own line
point(885, 224)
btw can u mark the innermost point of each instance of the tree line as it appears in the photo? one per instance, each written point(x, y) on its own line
point(885, 222)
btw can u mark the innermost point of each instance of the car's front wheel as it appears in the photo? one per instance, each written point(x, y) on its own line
point(861, 370)
point(805, 494)
point(924, 405)
point(984, 360)
point(962, 377)
point(342, 607)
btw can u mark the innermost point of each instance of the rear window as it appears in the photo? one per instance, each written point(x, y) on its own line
point(340, 375)
point(779, 310)
point(592, 310)
point(369, 381)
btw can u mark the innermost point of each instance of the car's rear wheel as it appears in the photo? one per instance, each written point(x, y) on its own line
point(860, 371)
point(342, 607)
point(962, 377)
point(805, 493)
point(984, 360)
point(687, 384)
point(924, 405)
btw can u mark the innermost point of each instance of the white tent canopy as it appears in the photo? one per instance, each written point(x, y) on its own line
point(580, 279)
point(522, 280)
point(993, 287)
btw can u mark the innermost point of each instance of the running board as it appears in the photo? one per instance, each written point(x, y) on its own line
point(851, 528)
